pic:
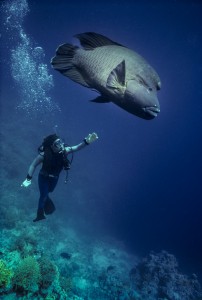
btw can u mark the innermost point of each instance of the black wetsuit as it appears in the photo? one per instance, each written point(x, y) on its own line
point(49, 174)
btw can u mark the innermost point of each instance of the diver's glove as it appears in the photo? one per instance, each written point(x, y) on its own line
point(27, 181)
point(92, 137)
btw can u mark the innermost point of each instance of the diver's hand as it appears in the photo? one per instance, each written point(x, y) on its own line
point(92, 137)
point(26, 183)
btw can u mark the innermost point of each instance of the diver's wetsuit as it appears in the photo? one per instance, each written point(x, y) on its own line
point(48, 176)
point(47, 185)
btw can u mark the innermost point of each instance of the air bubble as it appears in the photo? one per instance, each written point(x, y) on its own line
point(28, 69)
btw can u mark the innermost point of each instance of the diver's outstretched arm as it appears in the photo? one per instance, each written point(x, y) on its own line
point(92, 137)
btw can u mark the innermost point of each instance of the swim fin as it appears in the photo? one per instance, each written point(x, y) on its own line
point(40, 215)
point(49, 207)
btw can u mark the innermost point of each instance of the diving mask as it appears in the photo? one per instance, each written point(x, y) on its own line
point(59, 145)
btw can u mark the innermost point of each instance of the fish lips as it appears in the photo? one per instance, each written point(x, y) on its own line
point(141, 110)
point(141, 101)
point(151, 112)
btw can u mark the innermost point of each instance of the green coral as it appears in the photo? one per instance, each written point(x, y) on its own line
point(27, 275)
point(49, 272)
point(51, 297)
point(66, 283)
point(5, 275)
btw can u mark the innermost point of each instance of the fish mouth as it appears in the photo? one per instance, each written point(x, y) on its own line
point(151, 111)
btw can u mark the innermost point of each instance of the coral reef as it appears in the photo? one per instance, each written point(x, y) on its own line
point(52, 262)
point(5, 276)
point(32, 267)
point(157, 277)
point(27, 276)
point(49, 272)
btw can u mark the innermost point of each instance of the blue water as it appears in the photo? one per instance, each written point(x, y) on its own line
point(140, 183)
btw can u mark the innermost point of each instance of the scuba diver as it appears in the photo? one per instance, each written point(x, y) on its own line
point(53, 157)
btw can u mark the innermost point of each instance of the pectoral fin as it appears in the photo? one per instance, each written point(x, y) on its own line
point(116, 79)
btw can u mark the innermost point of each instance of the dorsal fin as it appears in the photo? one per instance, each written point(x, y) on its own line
point(92, 40)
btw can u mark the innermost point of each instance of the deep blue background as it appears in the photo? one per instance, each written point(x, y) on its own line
point(142, 181)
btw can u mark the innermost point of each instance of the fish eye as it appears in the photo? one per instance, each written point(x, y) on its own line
point(150, 89)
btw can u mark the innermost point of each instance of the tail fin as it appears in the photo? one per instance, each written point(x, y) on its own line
point(63, 59)
point(62, 62)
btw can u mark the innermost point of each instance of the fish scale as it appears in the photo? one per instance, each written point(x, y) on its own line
point(99, 62)
point(118, 73)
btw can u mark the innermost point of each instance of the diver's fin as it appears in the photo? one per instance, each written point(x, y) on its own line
point(116, 79)
point(62, 62)
point(40, 215)
point(49, 207)
point(100, 99)
point(92, 40)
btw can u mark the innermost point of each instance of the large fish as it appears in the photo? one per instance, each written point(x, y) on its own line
point(119, 74)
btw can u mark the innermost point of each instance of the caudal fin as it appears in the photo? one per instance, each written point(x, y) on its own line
point(62, 62)
point(63, 59)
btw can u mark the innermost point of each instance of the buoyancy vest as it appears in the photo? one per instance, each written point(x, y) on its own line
point(53, 163)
